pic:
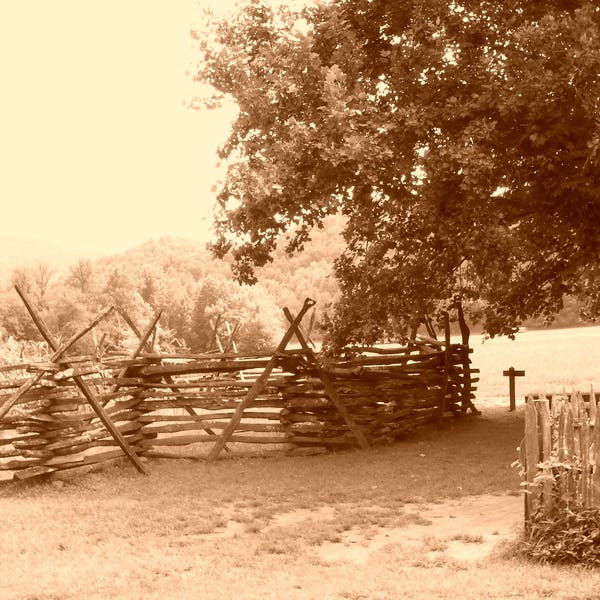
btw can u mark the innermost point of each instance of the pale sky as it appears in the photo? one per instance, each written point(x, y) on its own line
point(97, 150)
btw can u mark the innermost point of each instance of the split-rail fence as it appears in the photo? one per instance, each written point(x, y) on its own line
point(78, 410)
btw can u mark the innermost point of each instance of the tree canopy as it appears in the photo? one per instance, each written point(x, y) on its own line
point(458, 138)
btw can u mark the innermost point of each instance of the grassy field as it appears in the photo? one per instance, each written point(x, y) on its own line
point(256, 528)
point(553, 360)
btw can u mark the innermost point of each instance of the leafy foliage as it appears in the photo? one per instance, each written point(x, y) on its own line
point(179, 276)
point(459, 139)
point(568, 536)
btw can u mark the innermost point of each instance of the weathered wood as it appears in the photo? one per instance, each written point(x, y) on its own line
point(139, 382)
point(546, 450)
point(596, 472)
point(397, 390)
point(417, 360)
point(442, 408)
point(216, 404)
point(77, 371)
point(584, 453)
point(194, 367)
point(327, 384)
point(175, 427)
point(14, 397)
point(190, 410)
point(83, 387)
point(16, 367)
point(184, 440)
point(593, 408)
point(30, 472)
point(272, 416)
point(259, 384)
point(532, 457)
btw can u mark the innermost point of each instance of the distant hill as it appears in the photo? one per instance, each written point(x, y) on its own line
point(172, 255)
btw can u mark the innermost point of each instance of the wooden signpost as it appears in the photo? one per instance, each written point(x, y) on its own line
point(512, 373)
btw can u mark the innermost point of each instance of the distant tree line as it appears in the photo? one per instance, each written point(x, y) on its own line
point(182, 278)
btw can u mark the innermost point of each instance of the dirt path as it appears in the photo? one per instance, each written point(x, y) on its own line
point(464, 529)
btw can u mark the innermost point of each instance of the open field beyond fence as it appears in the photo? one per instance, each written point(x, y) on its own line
point(552, 359)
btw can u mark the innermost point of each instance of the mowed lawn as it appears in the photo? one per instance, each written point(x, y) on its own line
point(256, 528)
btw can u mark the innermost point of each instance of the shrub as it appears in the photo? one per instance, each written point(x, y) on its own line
point(568, 535)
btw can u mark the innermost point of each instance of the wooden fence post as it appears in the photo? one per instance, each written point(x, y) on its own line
point(532, 457)
point(446, 384)
point(327, 384)
point(596, 472)
point(85, 390)
point(545, 426)
point(584, 452)
point(569, 434)
point(258, 386)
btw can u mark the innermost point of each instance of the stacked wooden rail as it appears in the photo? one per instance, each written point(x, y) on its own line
point(560, 456)
point(74, 411)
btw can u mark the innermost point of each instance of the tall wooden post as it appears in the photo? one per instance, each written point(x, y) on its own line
point(258, 385)
point(447, 362)
point(328, 384)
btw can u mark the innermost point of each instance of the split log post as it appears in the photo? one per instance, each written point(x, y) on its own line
point(429, 326)
point(215, 334)
point(545, 423)
point(57, 354)
point(465, 334)
point(571, 486)
point(85, 390)
point(129, 322)
point(231, 333)
point(447, 357)
point(596, 472)
point(258, 386)
point(559, 408)
point(532, 458)
point(584, 453)
point(311, 324)
point(144, 342)
point(14, 397)
point(327, 383)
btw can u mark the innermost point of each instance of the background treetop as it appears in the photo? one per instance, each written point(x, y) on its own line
point(459, 140)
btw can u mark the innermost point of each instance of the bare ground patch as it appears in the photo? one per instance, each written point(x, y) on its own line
point(391, 522)
point(464, 529)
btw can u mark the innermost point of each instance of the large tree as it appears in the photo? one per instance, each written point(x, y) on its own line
point(459, 138)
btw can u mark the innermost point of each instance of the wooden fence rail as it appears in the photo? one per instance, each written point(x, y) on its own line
point(560, 456)
point(74, 411)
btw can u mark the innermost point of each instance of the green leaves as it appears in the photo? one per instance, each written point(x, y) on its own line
point(459, 140)
point(569, 536)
